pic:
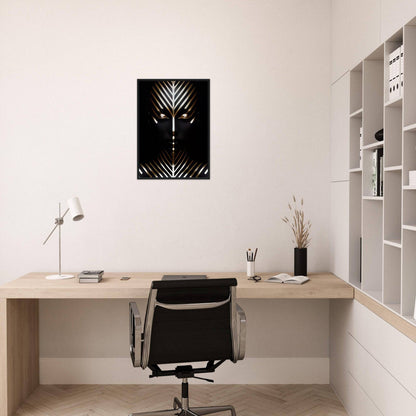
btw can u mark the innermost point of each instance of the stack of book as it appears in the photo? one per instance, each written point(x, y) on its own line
point(90, 276)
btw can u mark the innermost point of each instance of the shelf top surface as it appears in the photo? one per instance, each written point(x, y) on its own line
point(35, 286)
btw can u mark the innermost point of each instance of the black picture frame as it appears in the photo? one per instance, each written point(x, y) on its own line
point(173, 129)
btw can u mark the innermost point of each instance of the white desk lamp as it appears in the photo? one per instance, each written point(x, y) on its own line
point(75, 210)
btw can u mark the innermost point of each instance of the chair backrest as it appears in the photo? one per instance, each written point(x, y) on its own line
point(190, 320)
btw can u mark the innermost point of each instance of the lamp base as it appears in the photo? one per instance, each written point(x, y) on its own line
point(59, 276)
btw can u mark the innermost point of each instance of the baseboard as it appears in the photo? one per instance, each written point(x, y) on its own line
point(249, 371)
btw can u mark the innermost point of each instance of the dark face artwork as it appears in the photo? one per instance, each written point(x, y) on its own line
point(173, 136)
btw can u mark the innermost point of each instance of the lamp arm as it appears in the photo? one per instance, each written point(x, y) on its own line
point(58, 222)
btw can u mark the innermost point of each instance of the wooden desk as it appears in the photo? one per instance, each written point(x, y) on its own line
point(19, 315)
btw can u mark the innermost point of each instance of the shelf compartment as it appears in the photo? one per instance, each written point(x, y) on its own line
point(392, 205)
point(392, 274)
point(409, 72)
point(372, 247)
point(355, 125)
point(408, 290)
point(355, 215)
point(356, 89)
point(393, 136)
point(390, 46)
point(373, 146)
point(409, 155)
point(373, 95)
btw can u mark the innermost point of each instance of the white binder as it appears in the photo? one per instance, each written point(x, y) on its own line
point(394, 74)
point(401, 69)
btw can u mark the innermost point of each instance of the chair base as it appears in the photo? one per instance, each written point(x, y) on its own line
point(180, 410)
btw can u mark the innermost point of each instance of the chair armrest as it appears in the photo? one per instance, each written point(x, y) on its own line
point(135, 329)
point(241, 330)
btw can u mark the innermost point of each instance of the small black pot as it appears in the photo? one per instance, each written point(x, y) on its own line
point(301, 261)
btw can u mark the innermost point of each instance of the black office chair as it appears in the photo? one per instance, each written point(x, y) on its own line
point(188, 321)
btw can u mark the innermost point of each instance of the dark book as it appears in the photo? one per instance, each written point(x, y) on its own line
point(379, 166)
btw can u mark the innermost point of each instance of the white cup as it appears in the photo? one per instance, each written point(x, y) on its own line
point(251, 269)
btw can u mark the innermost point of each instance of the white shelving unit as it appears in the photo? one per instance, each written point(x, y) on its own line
point(382, 238)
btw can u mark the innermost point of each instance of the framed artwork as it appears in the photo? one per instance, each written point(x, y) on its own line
point(173, 129)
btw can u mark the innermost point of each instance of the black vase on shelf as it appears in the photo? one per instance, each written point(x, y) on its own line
point(301, 261)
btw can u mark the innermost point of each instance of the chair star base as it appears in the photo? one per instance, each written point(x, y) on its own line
point(181, 407)
point(179, 410)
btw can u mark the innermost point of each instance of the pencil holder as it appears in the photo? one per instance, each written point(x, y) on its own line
point(251, 269)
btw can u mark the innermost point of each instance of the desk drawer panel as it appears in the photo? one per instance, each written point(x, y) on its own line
point(356, 401)
point(385, 391)
point(388, 346)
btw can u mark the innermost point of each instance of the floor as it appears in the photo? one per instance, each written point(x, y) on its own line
point(120, 400)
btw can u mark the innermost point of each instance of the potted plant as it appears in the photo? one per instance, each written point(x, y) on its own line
point(301, 231)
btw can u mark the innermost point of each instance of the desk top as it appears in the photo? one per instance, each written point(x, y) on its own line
point(35, 286)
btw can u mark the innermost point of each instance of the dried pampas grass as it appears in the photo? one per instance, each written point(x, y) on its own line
point(300, 228)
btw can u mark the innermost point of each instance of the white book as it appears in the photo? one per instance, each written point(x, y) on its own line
point(391, 57)
point(401, 69)
point(374, 173)
point(287, 278)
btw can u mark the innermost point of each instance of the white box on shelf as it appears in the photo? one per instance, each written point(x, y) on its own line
point(412, 177)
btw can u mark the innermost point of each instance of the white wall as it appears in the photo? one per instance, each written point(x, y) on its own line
point(68, 127)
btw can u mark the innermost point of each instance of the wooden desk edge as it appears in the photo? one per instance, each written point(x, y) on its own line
point(395, 320)
point(322, 286)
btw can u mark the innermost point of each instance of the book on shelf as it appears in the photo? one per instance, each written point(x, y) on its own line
point(377, 163)
point(361, 147)
point(374, 173)
point(380, 156)
point(395, 73)
point(401, 69)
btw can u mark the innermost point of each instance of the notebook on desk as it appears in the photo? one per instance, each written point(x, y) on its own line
point(184, 276)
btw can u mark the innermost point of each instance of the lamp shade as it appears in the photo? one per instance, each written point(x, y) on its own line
point(75, 209)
